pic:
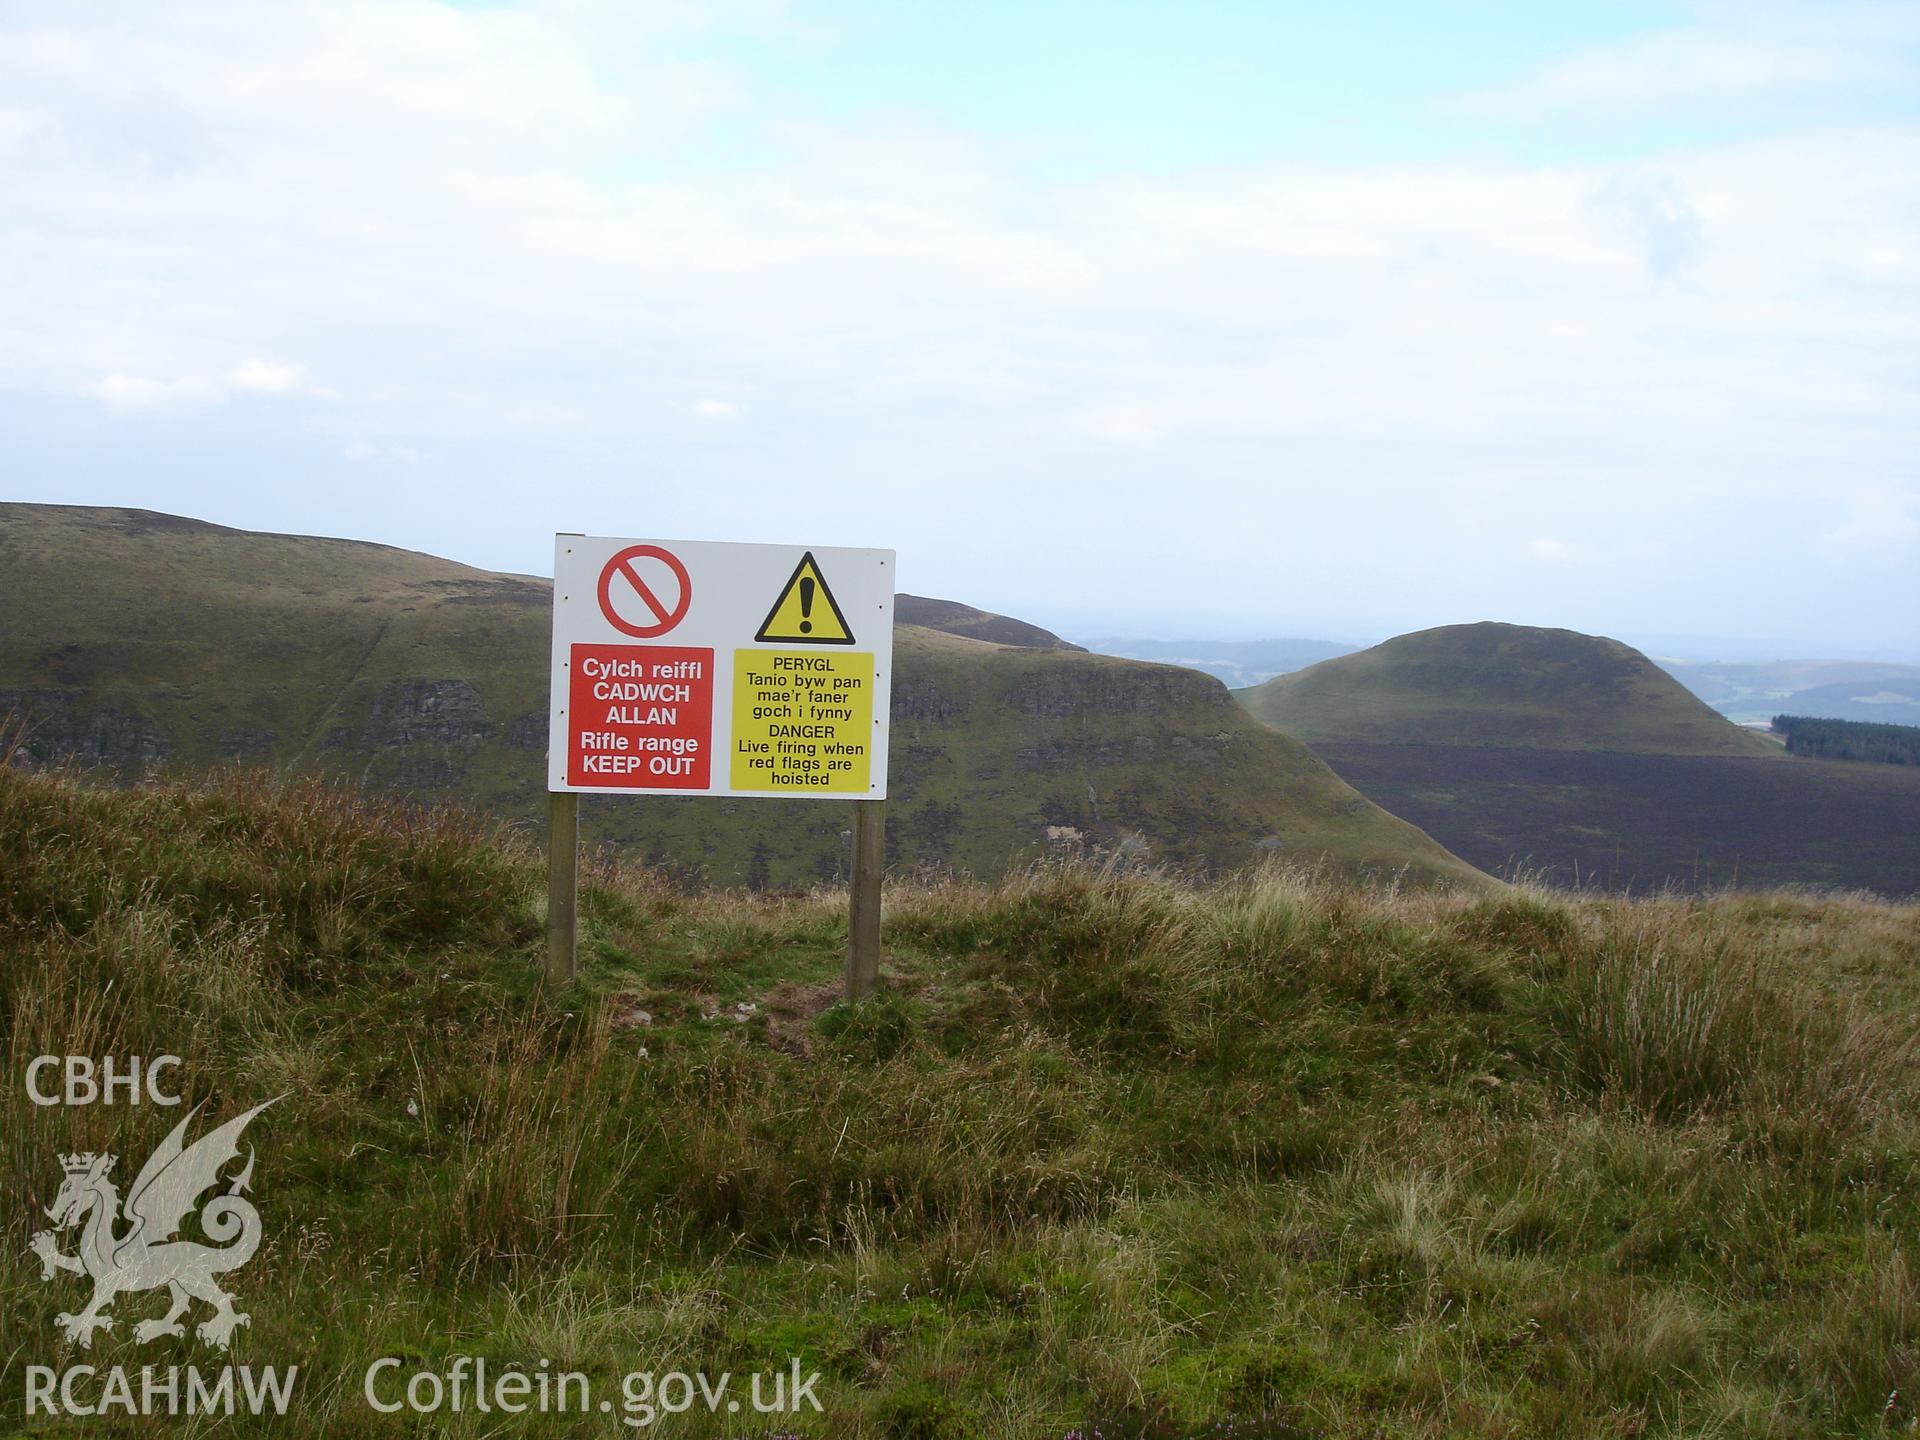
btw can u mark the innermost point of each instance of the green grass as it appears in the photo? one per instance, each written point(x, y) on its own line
point(304, 654)
point(1318, 1157)
point(1491, 684)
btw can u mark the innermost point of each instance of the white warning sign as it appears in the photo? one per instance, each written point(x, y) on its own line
point(692, 668)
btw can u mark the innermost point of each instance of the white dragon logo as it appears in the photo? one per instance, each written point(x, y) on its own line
point(147, 1256)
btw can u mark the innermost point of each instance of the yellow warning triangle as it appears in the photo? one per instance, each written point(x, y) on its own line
point(806, 612)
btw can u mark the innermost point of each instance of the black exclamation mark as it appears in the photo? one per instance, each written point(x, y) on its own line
point(806, 604)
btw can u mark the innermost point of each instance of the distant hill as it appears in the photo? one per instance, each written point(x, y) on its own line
point(1868, 691)
point(952, 618)
point(1491, 684)
point(137, 640)
point(1235, 663)
point(1575, 759)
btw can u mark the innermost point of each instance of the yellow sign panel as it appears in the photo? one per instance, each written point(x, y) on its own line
point(806, 612)
point(802, 723)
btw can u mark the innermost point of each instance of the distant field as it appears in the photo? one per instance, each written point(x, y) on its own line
point(1235, 663)
point(1643, 822)
point(1830, 689)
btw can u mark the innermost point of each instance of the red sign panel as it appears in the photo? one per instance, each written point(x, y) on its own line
point(640, 715)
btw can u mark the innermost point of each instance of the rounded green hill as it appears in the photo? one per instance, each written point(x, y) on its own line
point(1494, 684)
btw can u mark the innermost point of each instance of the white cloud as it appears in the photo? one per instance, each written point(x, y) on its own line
point(127, 394)
point(716, 410)
point(1658, 215)
point(362, 452)
point(264, 377)
point(547, 417)
point(1125, 423)
point(1550, 550)
point(349, 184)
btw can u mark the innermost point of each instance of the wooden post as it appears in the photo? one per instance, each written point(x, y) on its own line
point(863, 900)
point(563, 894)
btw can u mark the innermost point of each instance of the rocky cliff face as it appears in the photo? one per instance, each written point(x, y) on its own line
point(1141, 690)
point(66, 726)
point(74, 727)
point(418, 711)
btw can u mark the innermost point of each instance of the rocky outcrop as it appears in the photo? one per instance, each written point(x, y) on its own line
point(1134, 690)
point(246, 742)
point(62, 726)
point(442, 719)
point(922, 700)
point(529, 732)
point(438, 712)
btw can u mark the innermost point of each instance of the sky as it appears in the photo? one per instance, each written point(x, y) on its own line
point(1195, 319)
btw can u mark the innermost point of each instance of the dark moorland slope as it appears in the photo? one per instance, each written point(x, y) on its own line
point(1641, 823)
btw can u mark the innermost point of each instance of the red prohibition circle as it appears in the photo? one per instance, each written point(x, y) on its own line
point(664, 619)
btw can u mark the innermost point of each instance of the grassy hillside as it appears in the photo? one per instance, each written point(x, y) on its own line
point(1282, 1154)
point(1491, 684)
point(952, 618)
point(136, 639)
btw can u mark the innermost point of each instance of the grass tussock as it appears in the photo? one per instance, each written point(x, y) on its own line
point(1678, 1015)
point(1110, 1151)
